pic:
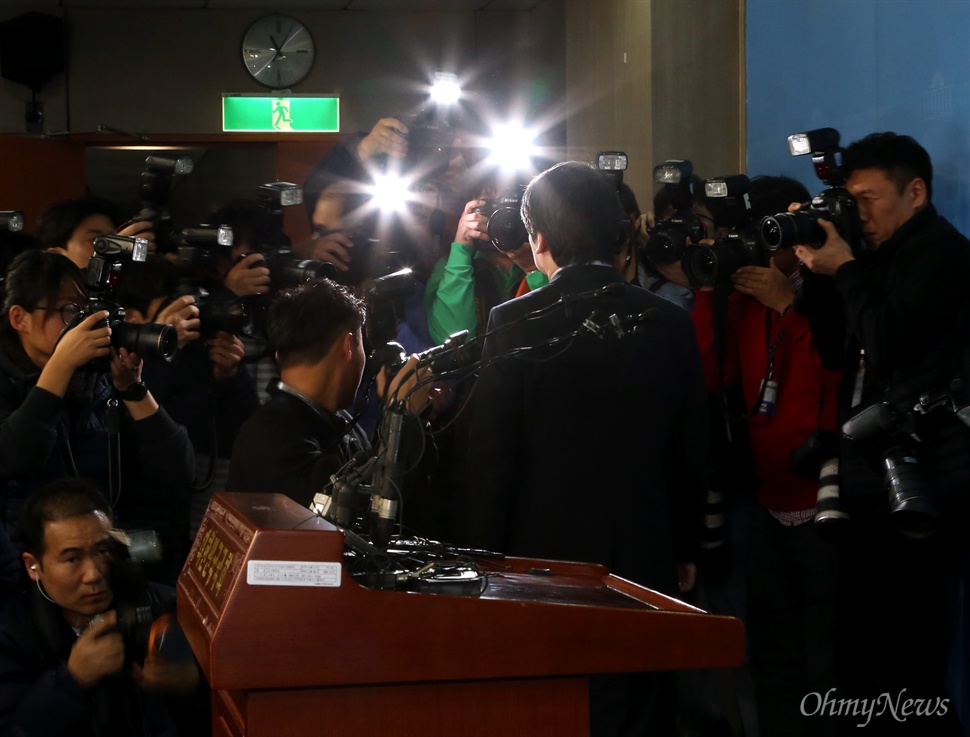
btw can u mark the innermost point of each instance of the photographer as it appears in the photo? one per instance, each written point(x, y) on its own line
point(791, 572)
point(568, 461)
point(476, 276)
point(303, 434)
point(338, 194)
point(71, 227)
point(205, 387)
point(68, 663)
point(907, 315)
point(54, 416)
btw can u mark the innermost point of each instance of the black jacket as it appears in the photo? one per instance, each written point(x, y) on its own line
point(290, 447)
point(908, 307)
point(40, 698)
point(593, 452)
point(44, 437)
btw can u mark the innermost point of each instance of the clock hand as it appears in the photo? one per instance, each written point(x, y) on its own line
point(277, 48)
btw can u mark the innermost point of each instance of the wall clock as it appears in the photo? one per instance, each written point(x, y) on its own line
point(277, 51)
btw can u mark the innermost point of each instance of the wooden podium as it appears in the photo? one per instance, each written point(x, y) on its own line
point(292, 645)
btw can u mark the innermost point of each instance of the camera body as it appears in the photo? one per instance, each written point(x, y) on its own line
point(836, 204)
point(505, 227)
point(200, 248)
point(670, 236)
point(711, 265)
point(287, 270)
point(156, 185)
point(150, 340)
point(788, 229)
point(887, 438)
point(430, 144)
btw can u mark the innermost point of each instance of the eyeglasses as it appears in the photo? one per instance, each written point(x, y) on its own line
point(68, 311)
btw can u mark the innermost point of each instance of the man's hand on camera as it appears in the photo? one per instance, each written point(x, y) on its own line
point(248, 276)
point(98, 652)
point(471, 226)
point(404, 386)
point(182, 314)
point(84, 342)
point(333, 246)
point(226, 352)
point(388, 136)
point(175, 678)
point(767, 285)
point(140, 229)
point(829, 257)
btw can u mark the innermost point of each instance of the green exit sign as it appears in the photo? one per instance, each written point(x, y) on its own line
point(291, 114)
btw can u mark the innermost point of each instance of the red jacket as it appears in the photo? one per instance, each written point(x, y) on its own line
point(807, 397)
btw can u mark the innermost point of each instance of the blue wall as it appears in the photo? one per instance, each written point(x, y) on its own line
point(862, 66)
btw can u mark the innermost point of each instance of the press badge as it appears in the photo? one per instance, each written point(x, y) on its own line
point(769, 398)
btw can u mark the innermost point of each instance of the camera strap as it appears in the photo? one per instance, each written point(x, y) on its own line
point(113, 426)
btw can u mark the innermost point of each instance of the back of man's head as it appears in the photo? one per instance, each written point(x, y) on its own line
point(57, 501)
point(60, 220)
point(772, 195)
point(305, 321)
point(576, 207)
point(901, 158)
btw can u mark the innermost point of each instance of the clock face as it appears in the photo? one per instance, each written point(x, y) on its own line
point(278, 51)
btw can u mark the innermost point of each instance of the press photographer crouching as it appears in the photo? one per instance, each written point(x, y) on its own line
point(906, 321)
point(58, 418)
point(90, 647)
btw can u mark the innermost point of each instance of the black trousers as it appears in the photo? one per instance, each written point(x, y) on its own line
point(793, 590)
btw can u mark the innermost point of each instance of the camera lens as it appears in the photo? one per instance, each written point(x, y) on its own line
point(150, 340)
point(666, 247)
point(701, 265)
point(916, 516)
point(506, 229)
point(830, 518)
point(231, 316)
point(787, 229)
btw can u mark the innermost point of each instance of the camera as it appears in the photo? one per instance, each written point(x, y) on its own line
point(148, 340)
point(385, 305)
point(156, 185)
point(788, 229)
point(505, 227)
point(887, 438)
point(142, 632)
point(670, 236)
point(200, 248)
point(818, 458)
point(430, 144)
point(287, 270)
point(709, 265)
point(11, 221)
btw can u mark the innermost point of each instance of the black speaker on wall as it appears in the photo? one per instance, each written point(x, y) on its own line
point(31, 49)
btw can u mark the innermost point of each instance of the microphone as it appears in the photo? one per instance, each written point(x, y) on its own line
point(385, 502)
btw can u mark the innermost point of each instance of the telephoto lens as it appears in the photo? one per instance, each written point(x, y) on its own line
point(830, 518)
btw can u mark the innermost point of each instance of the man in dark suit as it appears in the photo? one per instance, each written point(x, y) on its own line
point(590, 448)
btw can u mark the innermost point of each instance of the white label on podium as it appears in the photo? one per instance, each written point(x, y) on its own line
point(292, 573)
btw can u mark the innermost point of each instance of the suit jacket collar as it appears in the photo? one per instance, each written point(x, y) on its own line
point(598, 273)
